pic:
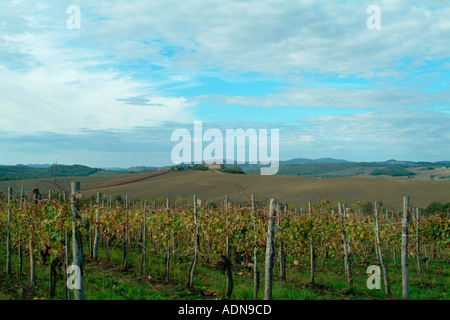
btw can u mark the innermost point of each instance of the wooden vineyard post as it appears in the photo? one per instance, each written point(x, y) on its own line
point(281, 255)
point(255, 253)
point(269, 252)
point(31, 245)
point(77, 243)
point(53, 275)
point(97, 219)
point(141, 230)
point(144, 235)
point(174, 241)
point(66, 264)
point(151, 231)
point(91, 252)
point(21, 197)
point(108, 238)
point(228, 253)
point(312, 253)
point(167, 264)
point(8, 236)
point(312, 258)
point(419, 267)
point(196, 247)
point(347, 262)
point(405, 242)
point(321, 239)
point(19, 249)
point(382, 262)
point(125, 242)
point(20, 234)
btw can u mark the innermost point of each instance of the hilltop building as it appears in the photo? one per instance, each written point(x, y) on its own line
point(214, 166)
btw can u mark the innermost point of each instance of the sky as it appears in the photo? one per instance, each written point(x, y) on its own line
point(108, 87)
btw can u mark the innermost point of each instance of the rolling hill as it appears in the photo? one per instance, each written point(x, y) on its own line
point(299, 180)
point(210, 185)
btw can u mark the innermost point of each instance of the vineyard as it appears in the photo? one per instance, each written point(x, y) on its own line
point(253, 250)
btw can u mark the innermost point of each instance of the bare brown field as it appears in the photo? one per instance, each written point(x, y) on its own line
point(127, 180)
point(61, 183)
point(210, 185)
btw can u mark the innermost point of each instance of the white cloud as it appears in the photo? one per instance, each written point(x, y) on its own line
point(53, 80)
point(57, 92)
point(342, 98)
point(282, 37)
point(279, 38)
point(405, 134)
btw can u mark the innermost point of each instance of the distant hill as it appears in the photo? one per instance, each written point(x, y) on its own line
point(132, 169)
point(141, 169)
point(321, 168)
point(37, 165)
point(333, 168)
point(305, 161)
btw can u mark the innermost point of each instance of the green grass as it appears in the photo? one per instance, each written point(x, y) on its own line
point(107, 281)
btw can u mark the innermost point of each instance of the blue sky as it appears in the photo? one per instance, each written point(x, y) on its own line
point(111, 93)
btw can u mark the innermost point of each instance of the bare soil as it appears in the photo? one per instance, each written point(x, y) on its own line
point(213, 186)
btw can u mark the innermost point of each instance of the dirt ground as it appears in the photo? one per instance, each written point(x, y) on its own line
point(211, 185)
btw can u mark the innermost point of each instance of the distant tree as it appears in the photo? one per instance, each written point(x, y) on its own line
point(437, 207)
point(233, 170)
point(366, 207)
point(199, 167)
point(394, 172)
point(118, 198)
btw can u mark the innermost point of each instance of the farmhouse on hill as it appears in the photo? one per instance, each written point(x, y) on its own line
point(214, 166)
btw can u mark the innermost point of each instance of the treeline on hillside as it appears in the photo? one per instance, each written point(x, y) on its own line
point(315, 168)
point(338, 169)
point(393, 172)
point(202, 167)
point(20, 172)
point(311, 169)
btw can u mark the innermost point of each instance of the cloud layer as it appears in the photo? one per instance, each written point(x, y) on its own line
point(134, 67)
